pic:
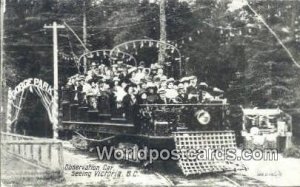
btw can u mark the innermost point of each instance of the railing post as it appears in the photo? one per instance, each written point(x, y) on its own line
point(50, 152)
point(31, 151)
point(9, 111)
point(40, 153)
point(60, 158)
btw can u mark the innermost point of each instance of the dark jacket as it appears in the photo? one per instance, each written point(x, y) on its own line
point(130, 107)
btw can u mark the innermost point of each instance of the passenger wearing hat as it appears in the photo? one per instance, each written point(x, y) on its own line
point(142, 86)
point(93, 70)
point(103, 97)
point(160, 74)
point(81, 83)
point(114, 68)
point(162, 97)
point(120, 92)
point(192, 90)
point(203, 89)
point(142, 64)
point(124, 76)
point(156, 81)
point(102, 88)
point(142, 97)
point(93, 89)
point(140, 74)
point(129, 103)
point(75, 88)
point(132, 75)
point(186, 82)
point(116, 81)
point(153, 68)
point(147, 73)
point(182, 96)
point(91, 94)
point(151, 90)
point(217, 93)
point(171, 93)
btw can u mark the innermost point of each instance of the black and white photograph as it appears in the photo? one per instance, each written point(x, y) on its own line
point(150, 93)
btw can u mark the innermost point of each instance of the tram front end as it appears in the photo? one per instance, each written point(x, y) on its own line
point(197, 133)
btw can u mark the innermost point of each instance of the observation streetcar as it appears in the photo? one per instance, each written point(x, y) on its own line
point(122, 105)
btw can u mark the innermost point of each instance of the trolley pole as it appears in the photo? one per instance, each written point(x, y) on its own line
point(55, 110)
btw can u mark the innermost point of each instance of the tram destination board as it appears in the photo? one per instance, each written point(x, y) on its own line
point(150, 93)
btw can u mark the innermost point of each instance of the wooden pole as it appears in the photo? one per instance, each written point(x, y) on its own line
point(2, 82)
point(163, 33)
point(2, 11)
point(84, 33)
point(55, 111)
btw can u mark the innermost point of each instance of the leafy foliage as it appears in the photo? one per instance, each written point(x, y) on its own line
point(215, 43)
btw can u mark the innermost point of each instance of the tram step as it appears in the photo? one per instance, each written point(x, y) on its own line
point(66, 111)
point(118, 120)
point(82, 113)
point(104, 117)
point(66, 95)
point(74, 112)
point(93, 115)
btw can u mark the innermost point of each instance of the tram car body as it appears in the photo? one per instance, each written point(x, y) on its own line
point(152, 125)
point(103, 119)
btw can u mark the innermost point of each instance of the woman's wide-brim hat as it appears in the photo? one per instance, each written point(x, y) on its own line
point(170, 80)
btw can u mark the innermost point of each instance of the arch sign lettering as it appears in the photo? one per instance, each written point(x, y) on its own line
point(27, 83)
point(17, 96)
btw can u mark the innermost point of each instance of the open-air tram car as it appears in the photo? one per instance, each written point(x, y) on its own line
point(102, 121)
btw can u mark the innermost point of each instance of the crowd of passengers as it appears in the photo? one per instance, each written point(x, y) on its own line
point(123, 86)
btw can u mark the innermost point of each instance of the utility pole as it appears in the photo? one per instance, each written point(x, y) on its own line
point(55, 111)
point(84, 33)
point(163, 34)
point(2, 82)
point(293, 18)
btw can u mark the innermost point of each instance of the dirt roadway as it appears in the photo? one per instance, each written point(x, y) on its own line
point(123, 174)
point(282, 172)
point(108, 173)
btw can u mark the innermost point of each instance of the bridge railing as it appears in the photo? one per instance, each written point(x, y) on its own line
point(42, 152)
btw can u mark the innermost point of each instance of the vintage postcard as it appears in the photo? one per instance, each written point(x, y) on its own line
point(150, 93)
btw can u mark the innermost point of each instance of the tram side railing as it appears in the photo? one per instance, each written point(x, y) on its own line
point(42, 152)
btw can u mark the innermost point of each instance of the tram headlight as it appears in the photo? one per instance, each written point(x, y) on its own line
point(203, 117)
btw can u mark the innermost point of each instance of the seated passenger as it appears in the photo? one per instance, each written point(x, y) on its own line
point(102, 88)
point(192, 90)
point(162, 97)
point(171, 93)
point(120, 93)
point(182, 96)
point(91, 91)
point(93, 70)
point(193, 87)
point(123, 75)
point(132, 74)
point(160, 74)
point(152, 96)
point(142, 97)
point(142, 85)
point(103, 98)
point(140, 74)
point(186, 83)
point(203, 89)
point(108, 73)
